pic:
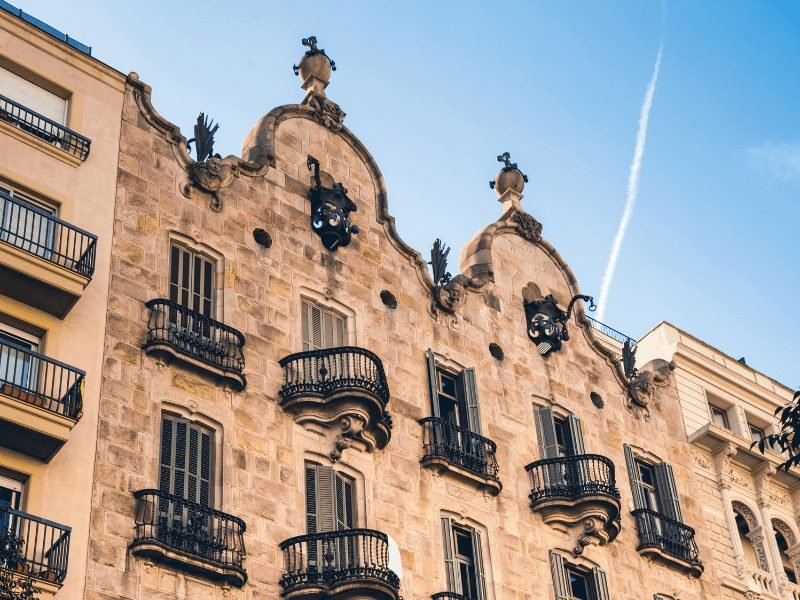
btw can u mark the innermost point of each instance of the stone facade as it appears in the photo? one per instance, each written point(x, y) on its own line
point(262, 450)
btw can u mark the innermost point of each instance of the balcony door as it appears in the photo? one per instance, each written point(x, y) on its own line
point(26, 223)
point(463, 560)
point(19, 368)
point(192, 285)
point(330, 507)
point(10, 497)
point(561, 438)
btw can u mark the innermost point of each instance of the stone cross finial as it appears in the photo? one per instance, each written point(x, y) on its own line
point(311, 42)
point(505, 158)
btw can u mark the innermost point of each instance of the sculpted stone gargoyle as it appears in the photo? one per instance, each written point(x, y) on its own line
point(642, 384)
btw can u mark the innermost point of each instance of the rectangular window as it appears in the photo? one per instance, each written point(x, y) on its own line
point(330, 506)
point(10, 492)
point(32, 96)
point(321, 327)
point(454, 396)
point(17, 367)
point(24, 222)
point(719, 416)
point(192, 278)
point(756, 433)
point(653, 486)
point(558, 436)
point(647, 483)
point(576, 582)
point(187, 459)
point(463, 560)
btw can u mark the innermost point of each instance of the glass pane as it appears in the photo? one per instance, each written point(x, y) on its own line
point(579, 585)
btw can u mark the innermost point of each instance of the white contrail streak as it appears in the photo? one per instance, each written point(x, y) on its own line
point(633, 187)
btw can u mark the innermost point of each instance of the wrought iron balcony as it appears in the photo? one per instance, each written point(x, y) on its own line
point(195, 537)
point(181, 332)
point(44, 549)
point(41, 399)
point(324, 564)
point(43, 128)
point(449, 596)
point(577, 490)
point(339, 387)
point(667, 538)
point(446, 445)
point(610, 331)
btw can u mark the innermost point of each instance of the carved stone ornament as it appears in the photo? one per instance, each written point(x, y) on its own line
point(642, 384)
point(209, 173)
point(528, 227)
point(449, 292)
point(330, 211)
point(325, 111)
point(352, 427)
point(547, 323)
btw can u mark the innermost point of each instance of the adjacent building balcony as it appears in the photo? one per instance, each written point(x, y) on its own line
point(44, 262)
point(189, 536)
point(37, 130)
point(175, 331)
point(664, 538)
point(577, 490)
point(339, 390)
point(461, 452)
point(41, 400)
point(34, 548)
point(351, 564)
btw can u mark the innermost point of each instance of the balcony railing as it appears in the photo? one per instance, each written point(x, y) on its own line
point(337, 557)
point(44, 128)
point(189, 528)
point(44, 551)
point(449, 596)
point(667, 535)
point(46, 236)
point(323, 372)
point(460, 446)
point(31, 377)
point(572, 477)
point(195, 335)
point(609, 331)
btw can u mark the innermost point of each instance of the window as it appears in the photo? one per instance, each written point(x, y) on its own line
point(321, 327)
point(719, 416)
point(10, 496)
point(454, 396)
point(330, 506)
point(577, 582)
point(756, 433)
point(24, 222)
point(783, 550)
point(653, 486)
point(187, 456)
point(192, 281)
point(17, 366)
point(558, 436)
point(463, 560)
point(33, 97)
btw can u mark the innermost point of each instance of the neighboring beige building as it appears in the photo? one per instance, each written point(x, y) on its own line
point(751, 508)
point(59, 146)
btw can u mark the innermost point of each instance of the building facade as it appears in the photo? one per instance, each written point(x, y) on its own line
point(60, 114)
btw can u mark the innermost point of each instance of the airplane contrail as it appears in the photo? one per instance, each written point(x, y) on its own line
point(633, 186)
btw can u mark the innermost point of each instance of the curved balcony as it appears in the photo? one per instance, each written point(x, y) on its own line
point(449, 596)
point(175, 331)
point(190, 536)
point(577, 490)
point(668, 539)
point(464, 453)
point(343, 390)
point(339, 565)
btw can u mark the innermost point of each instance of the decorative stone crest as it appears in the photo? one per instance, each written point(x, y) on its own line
point(210, 172)
point(528, 227)
point(326, 112)
point(330, 211)
point(642, 384)
point(449, 292)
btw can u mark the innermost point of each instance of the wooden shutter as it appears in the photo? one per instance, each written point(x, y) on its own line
point(187, 452)
point(546, 432)
point(192, 281)
point(321, 328)
point(330, 500)
point(575, 435)
point(469, 389)
point(452, 573)
point(477, 553)
point(560, 577)
point(667, 492)
point(311, 499)
point(326, 499)
point(600, 584)
point(633, 475)
point(433, 383)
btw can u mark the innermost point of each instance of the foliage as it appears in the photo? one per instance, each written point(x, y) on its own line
point(15, 582)
point(787, 440)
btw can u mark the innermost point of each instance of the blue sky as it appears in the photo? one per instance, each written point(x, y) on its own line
point(437, 90)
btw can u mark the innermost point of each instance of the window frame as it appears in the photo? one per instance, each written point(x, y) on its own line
point(717, 411)
point(307, 330)
point(201, 428)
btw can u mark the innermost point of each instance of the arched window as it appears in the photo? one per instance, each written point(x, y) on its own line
point(746, 522)
point(784, 538)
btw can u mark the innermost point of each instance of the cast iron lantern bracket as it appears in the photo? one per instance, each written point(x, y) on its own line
point(547, 323)
point(330, 211)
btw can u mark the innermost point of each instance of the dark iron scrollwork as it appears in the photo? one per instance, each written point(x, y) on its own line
point(449, 292)
point(505, 158)
point(311, 43)
point(209, 172)
point(547, 323)
point(330, 211)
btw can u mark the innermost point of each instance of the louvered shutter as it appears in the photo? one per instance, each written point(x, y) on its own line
point(199, 468)
point(667, 492)
point(560, 577)
point(546, 432)
point(23, 224)
point(433, 383)
point(575, 435)
point(187, 455)
point(477, 552)
point(469, 388)
point(33, 97)
point(600, 584)
point(451, 572)
point(167, 455)
point(326, 499)
point(311, 499)
point(321, 328)
point(633, 475)
point(191, 282)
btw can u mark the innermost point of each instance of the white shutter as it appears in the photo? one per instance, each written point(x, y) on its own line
point(33, 97)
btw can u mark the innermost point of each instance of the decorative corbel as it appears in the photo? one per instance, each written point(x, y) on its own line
point(351, 427)
point(449, 293)
point(722, 464)
point(587, 535)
